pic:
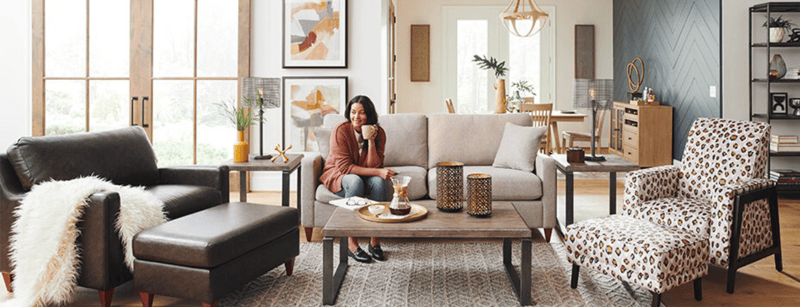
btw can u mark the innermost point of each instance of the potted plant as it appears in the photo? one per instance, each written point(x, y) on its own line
point(500, 69)
point(777, 28)
point(242, 117)
point(514, 99)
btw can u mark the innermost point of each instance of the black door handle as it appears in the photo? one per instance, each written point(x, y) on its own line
point(143, 103)
point(132, 100)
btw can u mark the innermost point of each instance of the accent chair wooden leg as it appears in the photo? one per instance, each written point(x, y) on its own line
point(289, 267)
point(309, 231)
point(106, 296)
point(547, 233)
point(698, 289)
point(147, 299)
point(576, 269)
point(8, 279)
point(214, 304)
point(656, 299)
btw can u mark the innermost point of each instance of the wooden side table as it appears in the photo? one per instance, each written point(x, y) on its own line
point(611, 165)
point(266, 165)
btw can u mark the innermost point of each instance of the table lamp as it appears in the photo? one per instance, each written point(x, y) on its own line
point(594, 94)
point(266, 92)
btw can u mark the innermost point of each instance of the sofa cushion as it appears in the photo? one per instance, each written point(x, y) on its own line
point(417, 188)
point(518, 147)
point(123, 156)
point(507, 184)
point(323, 135)
point(180, 200)
point(406, 138)
point(469, 139)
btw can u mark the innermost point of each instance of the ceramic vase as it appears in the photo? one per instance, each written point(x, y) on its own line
point(776, 64)
point(500, 97)
point(776, 35)
point(240, 149)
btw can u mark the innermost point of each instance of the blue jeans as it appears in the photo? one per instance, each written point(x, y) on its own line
point(372, 187)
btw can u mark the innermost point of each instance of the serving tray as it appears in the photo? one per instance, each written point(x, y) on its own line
point(417, 212)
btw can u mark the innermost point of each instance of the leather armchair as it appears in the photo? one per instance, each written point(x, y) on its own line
point(123, 156)
point(719, 191)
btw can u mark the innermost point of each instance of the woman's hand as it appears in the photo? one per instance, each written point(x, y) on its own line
point(386, 173)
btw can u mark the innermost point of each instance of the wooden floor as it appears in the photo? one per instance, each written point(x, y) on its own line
point(758, 284)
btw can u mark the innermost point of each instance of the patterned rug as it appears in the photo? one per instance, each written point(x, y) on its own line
point(437, 274)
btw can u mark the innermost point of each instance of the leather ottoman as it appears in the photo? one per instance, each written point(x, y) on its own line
point(205, 255)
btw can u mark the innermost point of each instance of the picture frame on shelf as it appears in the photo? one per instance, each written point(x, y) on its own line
point(306, 101)
point(778, 103)
point(314, 34)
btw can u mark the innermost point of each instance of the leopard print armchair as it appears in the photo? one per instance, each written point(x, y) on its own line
point(719, 191)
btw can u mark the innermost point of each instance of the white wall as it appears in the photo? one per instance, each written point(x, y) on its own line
point(366, 65)
point(15, 71)
point(426, 97)
point(735, 70)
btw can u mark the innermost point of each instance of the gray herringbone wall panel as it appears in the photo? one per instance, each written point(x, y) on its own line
point(679, 42)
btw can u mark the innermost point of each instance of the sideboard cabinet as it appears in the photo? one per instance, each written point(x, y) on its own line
point(642, 134)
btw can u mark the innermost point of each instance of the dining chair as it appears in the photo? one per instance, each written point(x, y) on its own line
point(450, 108)
point(569, 137)
point(540, 114)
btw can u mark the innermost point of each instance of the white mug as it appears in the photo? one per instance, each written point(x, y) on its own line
point(368, 131)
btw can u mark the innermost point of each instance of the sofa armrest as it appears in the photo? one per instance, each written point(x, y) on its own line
point(216, 177)
point(648, 184)
point(11, 194)
point(311, 167)
point(102, 258)
point(546, 171)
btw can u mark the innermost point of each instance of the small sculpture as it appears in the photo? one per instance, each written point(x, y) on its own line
point(635, 83)
point(795, 36)
point(281, 153)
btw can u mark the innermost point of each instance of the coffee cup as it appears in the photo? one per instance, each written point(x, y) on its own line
point(368, 131)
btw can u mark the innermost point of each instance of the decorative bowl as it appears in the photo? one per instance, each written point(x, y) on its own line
point(375, 209)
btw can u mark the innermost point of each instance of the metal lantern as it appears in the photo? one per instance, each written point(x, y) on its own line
point(449, 186)
point(479, 191)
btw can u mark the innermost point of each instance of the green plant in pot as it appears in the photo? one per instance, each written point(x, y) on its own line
point(777, 28)
point(516, 98)
point(500, 69)
point(242, 116)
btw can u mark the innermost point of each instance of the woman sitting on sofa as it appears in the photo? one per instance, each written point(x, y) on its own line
point(355, 164)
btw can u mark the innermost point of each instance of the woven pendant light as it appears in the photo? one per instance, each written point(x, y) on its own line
point(525, 19)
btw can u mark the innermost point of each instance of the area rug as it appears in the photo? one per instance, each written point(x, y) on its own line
point(438, 274)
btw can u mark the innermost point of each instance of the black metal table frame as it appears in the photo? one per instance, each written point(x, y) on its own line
point(332, 282)
point(284, 191)
point(570, 193)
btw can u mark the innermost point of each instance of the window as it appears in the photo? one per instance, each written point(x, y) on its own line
point(471, 30)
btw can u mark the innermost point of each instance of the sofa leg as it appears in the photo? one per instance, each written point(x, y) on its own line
point(8, 279)
point(656, 299)
point(576, 269)
point(308, 230)
point(698, 289)
point(214, 304)
point(547, 233)
point(289, 267)
point(147, 299)
point(106, 296)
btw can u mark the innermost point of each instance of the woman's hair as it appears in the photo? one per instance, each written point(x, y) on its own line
point(369, 109)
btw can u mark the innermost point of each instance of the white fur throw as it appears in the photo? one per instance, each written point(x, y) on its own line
point(43, 250)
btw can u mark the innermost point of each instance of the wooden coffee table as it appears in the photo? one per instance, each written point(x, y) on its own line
point(504, 223)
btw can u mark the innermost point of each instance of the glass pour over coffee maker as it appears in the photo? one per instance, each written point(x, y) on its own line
point(399, 205)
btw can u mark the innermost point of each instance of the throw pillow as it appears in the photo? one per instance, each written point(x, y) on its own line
point(323, 140)
point(519, 146)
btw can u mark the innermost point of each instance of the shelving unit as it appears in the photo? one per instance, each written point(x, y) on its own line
point(762, 12)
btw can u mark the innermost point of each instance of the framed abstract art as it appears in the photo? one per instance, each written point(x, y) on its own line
point(314, 33)
point(306, 100)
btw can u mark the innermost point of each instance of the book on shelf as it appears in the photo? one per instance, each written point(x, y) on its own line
point(784, 139)
point(352, 203)
point(779, 147)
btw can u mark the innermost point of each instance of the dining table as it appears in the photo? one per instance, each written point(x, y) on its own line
point(563, 116)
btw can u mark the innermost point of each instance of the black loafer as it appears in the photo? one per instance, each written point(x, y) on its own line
point(360, 255)
point(376, 252)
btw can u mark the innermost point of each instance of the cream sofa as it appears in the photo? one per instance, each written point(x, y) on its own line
point(416, 143)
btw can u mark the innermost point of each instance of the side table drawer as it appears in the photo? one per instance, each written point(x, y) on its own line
point(630, 154)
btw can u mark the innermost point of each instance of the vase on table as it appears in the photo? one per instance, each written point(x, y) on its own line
point(240, 149)
point(500, 96)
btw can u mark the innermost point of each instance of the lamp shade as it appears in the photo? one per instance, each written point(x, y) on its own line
point(524, 19)
point(597, 90)
point(268, 89)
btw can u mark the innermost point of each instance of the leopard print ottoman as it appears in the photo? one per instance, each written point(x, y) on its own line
point(639, 252)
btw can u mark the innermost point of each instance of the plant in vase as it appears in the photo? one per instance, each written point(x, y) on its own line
point(515, 99)
point(500, 69)
point(777, 28)
point(243, 117)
